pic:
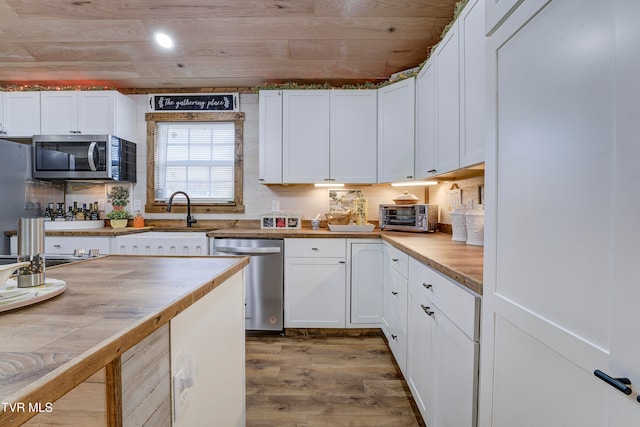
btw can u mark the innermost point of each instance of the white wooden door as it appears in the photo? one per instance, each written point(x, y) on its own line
point(447, 65)
point(305, 136)
point(59, 112)
point(472, 84)
point(396, 131)
point(353, 142)
point(96, 112)
point(425, 155)
point(366, 283)
point(420, 349)
point(558, 287)
point(21, 113)
point(270, 137)
point(314, 292)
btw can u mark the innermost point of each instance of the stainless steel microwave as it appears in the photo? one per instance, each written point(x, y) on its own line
point(418, 217)
point(102, 157)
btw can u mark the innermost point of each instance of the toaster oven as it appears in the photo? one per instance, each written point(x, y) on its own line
point(418, 217)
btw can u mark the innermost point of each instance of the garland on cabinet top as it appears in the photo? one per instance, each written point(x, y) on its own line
point(37, 87)
point(457, 9)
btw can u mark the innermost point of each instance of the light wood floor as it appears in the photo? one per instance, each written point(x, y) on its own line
point(325, 382)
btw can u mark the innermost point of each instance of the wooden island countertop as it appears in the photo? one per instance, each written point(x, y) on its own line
point(111, 303)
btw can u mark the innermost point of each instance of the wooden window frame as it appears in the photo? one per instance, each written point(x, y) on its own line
point(152, 120)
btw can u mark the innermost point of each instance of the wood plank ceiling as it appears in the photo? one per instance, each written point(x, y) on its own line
point(225, 43)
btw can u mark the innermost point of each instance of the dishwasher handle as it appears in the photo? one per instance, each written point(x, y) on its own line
point(236, 250)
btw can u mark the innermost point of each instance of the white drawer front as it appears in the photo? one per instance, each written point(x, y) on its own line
point(308, 248)
point(399, 260)
point(461, 306)
point(67, 245)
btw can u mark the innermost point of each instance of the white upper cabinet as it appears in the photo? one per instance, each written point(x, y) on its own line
point(472, 84)
point(20, 114)
point(353, 142)
point(425, 121)
point(447, 63)
point(312, 136)
point(305, 136)
point(270, 137)
point(396, 131)
point(88, 112)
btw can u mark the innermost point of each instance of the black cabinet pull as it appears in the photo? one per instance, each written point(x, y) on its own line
point(428, 286)
point(431, 171)
point(427, 310)
point(394, 293)
point(621, 384)
point(395, 337)
point(394, 259)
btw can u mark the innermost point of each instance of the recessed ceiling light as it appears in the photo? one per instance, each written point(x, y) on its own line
point(164, 40)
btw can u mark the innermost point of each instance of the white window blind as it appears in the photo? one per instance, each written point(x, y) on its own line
point(195, 157)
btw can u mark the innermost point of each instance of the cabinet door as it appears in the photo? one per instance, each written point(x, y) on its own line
point(305, 136)
point(448, 102)
point(472, 85)
point(425, 160)
point(366, 283)
point(454, 375)
point(496, 11)
point(420, 349)
point(21, 113)
point(60, 112)
point(314, 293)
point(270, 137)
point(353, 146)
point(396, 131)
point(550, 306)
point(96, 112)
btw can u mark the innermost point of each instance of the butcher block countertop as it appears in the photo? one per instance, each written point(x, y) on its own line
point(456, 260)
point(111, 303)
point(94, 232)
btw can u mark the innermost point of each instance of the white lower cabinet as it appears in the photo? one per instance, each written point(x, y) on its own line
point(315, 283)
point(67, 245)
point(367, 285)
point(394, 319)
point(432, 326)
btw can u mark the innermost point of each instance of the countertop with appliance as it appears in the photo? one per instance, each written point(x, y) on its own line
point(456, 260)
point(110, 304)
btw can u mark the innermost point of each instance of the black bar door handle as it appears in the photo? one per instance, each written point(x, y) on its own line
point(621, 384)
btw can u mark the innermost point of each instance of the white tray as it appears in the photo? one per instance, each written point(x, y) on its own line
point(337, 227)
point(73, 225)
point(11, 296)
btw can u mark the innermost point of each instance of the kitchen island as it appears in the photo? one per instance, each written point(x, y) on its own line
point(114, 309)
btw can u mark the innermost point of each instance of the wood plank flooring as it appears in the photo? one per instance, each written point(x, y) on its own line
point(325, 382)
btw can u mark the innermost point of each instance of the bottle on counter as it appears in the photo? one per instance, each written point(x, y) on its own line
point(80, 214)
point(70, 215)
point(96, 212)
point(48, 212)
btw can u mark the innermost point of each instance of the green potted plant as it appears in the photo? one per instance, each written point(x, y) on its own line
point(118, 218)
point(119, 197)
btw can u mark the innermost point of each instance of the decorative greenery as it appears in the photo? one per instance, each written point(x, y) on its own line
point(119, 196)
point(121, 214)
point(37, 87)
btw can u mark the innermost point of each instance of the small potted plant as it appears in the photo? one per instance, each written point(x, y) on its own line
point(118, 218)
point(119, 197)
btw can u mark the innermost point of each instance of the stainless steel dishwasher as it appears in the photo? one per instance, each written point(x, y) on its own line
point(264, 279)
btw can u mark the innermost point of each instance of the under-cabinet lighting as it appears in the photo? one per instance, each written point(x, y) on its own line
point(413, 183)
point(326, 184)
point(164, 40)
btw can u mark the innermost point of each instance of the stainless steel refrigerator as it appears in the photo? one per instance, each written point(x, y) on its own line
point(15, 171)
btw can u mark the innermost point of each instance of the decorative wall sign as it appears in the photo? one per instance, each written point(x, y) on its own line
point(181, 102)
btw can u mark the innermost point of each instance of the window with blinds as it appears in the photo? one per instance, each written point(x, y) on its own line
point(195, 157)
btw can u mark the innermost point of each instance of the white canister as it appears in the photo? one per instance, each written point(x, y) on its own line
point(458, 224)
point(474, 220)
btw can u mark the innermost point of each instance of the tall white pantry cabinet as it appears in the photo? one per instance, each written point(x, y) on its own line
point(561, 291)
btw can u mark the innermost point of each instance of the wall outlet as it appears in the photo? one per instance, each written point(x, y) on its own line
point(180, 396)
point(137, 205)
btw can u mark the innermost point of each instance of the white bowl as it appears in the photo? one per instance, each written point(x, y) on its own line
point(7, 270)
